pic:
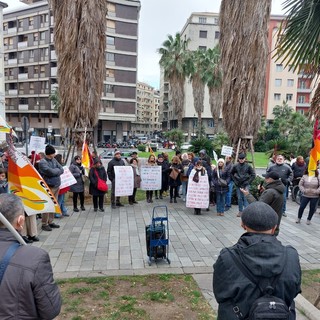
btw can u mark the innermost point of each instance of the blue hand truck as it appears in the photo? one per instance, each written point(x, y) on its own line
point(157, 235)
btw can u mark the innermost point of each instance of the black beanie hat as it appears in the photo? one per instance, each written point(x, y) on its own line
point(50, 150)
point(259, 216)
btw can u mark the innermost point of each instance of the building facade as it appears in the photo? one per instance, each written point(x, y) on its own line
point(31, 70)
point(147, 122)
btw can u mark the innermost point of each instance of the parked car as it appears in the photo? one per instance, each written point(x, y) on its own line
point(107, 154)
point(154, 144)
point(185, 146)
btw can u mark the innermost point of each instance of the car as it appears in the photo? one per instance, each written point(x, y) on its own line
point(154, 144)
point(185, 146)
point(108, 154)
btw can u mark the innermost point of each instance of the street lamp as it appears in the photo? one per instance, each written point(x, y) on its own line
point(193, 120)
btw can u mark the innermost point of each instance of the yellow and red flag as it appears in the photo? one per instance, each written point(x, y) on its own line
point(25, 182)
point(315, 151)
point(85, 156)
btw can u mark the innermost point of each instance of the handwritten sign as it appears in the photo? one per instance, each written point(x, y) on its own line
point(226, 151)
point(151, 178)
point(37, 143)
point(124, 181)
point(67, 178)
point(198, 193)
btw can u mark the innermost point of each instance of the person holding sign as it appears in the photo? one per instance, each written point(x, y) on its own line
point(174, 178)
point(77, 169)
point(97, 171)
point(136, 180)
point(150, 163)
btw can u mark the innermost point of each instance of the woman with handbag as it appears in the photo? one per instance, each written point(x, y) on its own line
point(98, 184)
point(77, 170)
point(220, 179)
point(174, 178)
point(136, 180)
point(184, 174)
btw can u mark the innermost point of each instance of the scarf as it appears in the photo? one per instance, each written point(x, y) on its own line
point(196, 175)
point(137, 169)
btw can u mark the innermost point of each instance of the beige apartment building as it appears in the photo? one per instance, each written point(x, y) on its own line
point(282, 84)
point(30, 73)
point(148, 100)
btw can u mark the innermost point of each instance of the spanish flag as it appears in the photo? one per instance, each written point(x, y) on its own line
point(315, 151)
point(85, 157)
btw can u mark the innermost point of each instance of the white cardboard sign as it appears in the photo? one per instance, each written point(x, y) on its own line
point(124, 181)
point(226, 151)
point(37, 143)
point(67, 178)
point(151, 178)
point(198, 192)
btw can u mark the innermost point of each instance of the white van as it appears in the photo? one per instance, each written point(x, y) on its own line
point(143, 140)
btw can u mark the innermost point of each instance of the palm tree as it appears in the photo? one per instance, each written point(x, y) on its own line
point(173, 56)
point(196, 65)
point(213, 78)
point(80, 43)
point(244, 50)
point(298, 44)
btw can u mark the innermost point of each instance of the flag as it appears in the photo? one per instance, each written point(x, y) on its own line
point(85, 157)
point(25, 182)
point(6, 128)
point(315, 151)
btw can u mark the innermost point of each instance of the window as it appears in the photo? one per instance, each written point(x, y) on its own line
point(277, 96)
point(216, 21)
point(110, 73)
point(204, 48)
point(289, 97)
point(203, 20)
point(111, 7)
point(111, 24)
point(43, 35)
point(20, 23)
point(110, 56)
point(30, 21)
point(278, 82)
point(301, 99)
point(20, 55)
point(290, 82)
point(279, 67)
point(110, 41)
point(302, 84)
point(44, 18)
point(31, 54)
point(217, 35)
point(109, 88)
point(210, 123)
point(23, 100)
point(203, 34)
point(36, 36)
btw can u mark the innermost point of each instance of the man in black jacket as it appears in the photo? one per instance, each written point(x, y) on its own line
point(116, 161)
point(266, 258)
point(271, 194)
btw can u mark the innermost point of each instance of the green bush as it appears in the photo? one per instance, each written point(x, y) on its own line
point(141, 147)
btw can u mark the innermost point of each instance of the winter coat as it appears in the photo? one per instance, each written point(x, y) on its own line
point(242, 174)
point(28, 291)
point(185, 168)
point(136, 178)
point(113, 163)
point(177, 182)
point(78, 173)
point(265, 257)
point(165, 169)
point(94, 180)
point(310, 186)
point(51, 170)
point(223, 174)
point(273, 196)
point(4, 188)
point(284, 171)
point(298, 170)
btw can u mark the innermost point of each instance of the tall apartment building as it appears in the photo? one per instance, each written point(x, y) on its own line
point(281, 84)
point(31, 69)
point(147, 111)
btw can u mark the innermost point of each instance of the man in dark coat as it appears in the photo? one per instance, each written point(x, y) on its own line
point(271, 194)
point(28, 290)
point(116, 161)
point(264, 256)
point(286, 176)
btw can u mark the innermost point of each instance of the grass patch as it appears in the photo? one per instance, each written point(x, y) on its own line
point(133, 298)
point(261, 159)
point(310, 285)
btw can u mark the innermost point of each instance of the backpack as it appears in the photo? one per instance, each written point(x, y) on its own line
point(267, 306)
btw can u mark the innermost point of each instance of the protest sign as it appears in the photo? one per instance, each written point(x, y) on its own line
point(198, 192)
point(226, 151)
point(124, 181)
point(67, 178)
point(37, 143)
point(151, 178)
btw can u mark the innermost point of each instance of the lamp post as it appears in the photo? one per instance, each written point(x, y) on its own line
point(193, 121)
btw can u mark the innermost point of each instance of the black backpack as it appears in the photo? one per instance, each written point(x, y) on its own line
point(267, 306)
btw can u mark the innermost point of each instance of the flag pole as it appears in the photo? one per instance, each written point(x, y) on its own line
point(9, 226)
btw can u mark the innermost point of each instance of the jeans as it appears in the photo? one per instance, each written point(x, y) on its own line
point(312, 206)
point(229, 194)
point(242, 201)
point(284, 208)
point(63, 208)
point(220, 201)
point(184, 189)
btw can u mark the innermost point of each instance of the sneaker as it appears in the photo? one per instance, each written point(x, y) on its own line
point(53, 225)
point(46, 228)
point(34, 238)
point(157, 198)
point(239, 214)
point(75, 209)
point(83, 208)
point(298, 220)
point(308, 222)
point(284, 214)
point(66, 214)
point(101, 210)
point(131, 203)
point(57, 216)
point(161, 197)
point(95, 209)
point(119, 204)
point(26, 239)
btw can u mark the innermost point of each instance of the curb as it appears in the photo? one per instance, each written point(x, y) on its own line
point(307, 308)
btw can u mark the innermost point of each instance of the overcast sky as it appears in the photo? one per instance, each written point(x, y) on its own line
point(158, 18)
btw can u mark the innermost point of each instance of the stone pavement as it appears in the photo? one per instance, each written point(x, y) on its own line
point(113, 243)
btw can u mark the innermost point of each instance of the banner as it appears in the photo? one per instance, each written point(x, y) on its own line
point(124, 181)
point(67, 178)
point(25, 181)
point(198, 193)
point(151, 178)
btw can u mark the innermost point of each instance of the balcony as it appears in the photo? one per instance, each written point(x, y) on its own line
point(303, 104)
point(53, 55)
point(53, 71)
point(304, 90)
point(22, 76)
point(13, 61)
point(23, 107)
point(23, 44)
point(12, 30)
point(13, 92)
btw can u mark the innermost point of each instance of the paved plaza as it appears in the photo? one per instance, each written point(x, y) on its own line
point(113, 243)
